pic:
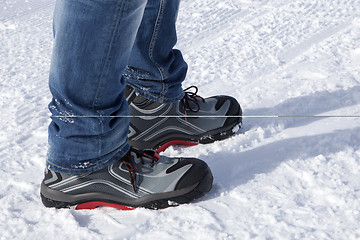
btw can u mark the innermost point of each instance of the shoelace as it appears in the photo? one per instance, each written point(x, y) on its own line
point(150, 154)
point(191, 97)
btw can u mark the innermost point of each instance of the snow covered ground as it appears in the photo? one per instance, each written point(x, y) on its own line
point(292, 173)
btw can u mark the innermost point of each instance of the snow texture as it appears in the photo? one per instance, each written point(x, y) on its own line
point(293, 171)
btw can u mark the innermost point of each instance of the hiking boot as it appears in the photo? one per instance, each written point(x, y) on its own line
point(139, 179)
point(190, 121)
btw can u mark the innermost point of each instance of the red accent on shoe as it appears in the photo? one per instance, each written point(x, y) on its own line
point(93, 205)
point(157, 156)
point(175, 142)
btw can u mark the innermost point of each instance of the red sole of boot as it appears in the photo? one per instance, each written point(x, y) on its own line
point(93, 205)
point(175, 142)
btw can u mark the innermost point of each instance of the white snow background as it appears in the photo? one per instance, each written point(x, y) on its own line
point(291, 173)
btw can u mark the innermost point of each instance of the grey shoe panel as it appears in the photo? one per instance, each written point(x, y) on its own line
point(116, 179)
point(210, 118)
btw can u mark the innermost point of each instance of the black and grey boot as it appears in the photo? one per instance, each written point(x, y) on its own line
point(139, 179)
point(190, 121)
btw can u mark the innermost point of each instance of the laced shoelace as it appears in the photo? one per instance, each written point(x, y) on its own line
point(191, 97)
point(149, 154)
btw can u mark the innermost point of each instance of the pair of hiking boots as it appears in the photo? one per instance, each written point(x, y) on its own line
point(143, 178)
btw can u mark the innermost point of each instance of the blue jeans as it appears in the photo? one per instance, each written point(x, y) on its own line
point(99, 47)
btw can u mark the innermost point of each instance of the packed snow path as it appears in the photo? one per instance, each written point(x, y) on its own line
point(293, 172)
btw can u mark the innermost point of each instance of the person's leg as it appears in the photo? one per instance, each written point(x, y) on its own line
point(90, 163)
point(93, 40)
point(156, 70)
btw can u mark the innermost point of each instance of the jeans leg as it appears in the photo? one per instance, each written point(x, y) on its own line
point(156, 70)
point(93, 41)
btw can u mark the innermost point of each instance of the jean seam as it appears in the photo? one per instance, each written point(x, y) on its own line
point(114, 28)
point(152, 43)
point(119, 10)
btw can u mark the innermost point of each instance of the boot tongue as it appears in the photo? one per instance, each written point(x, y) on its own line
point(130, 94)
point(145, 104)
point(191, 101)
point(138, 100)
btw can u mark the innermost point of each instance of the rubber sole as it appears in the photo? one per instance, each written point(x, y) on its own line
point(200, 190)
